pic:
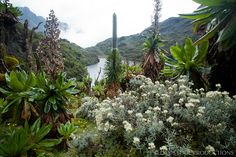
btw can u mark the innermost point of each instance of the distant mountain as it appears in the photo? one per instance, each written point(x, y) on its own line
point(35, 19)
point(172, 30)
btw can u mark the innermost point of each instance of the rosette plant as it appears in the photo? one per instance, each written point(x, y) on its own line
point(21, 141)
point(18, 93)
point(54, 96)
point(188, 60)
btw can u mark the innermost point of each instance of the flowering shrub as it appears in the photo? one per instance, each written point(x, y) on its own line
point(168, 119)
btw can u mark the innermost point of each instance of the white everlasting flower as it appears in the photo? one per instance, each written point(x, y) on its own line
point(165, 111)
point(210, 149)
point(234, 97)
point(144, 95)
point(176, 105)
point(144, 119)
point(182, 93)
point(139, 115)
point(151, 145)
point(218, 86)
point(201, 109)
point(163, 148)
point(212, 94)
point(194, 101)
point(174, 124)
point(136, 140)
point(156, 108)
point(174, 86)
point(148, 112)
point(127, 126)
point(181, 100)
point(182, 87)
point(106, 126)
point(113, 104)
point(170, 89)
point(122, 106)
point(112, 127)
point(130, 111)
point(170, 119)
point(157, 95)
point(188, 105)
point(225, 93)
point(199, 115)
point(165, 97)
point(109, 115)
point(160, 122)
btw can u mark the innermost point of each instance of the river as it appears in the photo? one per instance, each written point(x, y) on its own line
point(94, 69)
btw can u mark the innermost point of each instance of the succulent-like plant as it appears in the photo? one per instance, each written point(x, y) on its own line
point(22, 140)
point(189, 60)
point(19, 94)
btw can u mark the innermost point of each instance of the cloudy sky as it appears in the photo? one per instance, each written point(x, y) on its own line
point(90, 21)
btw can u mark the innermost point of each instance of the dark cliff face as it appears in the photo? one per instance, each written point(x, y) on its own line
point(172, 30)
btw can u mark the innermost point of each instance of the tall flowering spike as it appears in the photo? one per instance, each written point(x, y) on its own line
point(114, 31)
point(156, 16)
point(51, 60)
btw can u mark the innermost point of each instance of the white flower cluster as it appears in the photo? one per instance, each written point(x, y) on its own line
point(127, 126)
point(154, 113)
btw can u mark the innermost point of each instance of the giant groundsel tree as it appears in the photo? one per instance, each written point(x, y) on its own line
point(152, 64)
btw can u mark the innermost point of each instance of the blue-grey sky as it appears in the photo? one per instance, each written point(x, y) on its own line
point(90, 21)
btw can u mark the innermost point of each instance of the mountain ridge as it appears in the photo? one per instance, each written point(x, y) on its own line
point(34, 20)
point(172, 30)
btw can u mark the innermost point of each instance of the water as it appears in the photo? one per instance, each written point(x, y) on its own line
point(94, 69)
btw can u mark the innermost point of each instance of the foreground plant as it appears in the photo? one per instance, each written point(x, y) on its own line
point(54, 97)
point(66, 130)
point(19, 94)
point(156, 119)
point(22, 141)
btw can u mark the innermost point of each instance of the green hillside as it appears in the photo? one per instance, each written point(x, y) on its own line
point(172, 30)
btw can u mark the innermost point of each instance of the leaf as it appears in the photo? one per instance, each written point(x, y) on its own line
point(49, 142)
point(52, 100)
point(36, 126)
point(202, 52)
point(55, 107)
point(213, 31)
point(228, 31)
point(47, 107)
point(31, 81)
point(176, 52)
point(14, 83)
point(198, 15)
point(41, 133)
point(210, 2)
point(189, 48)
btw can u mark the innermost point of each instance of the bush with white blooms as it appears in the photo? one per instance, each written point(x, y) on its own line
point(168, 119)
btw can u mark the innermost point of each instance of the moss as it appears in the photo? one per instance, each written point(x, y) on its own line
point(2, 77)
point(11, 62)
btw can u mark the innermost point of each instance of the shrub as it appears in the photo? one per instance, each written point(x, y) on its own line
point(168, 119)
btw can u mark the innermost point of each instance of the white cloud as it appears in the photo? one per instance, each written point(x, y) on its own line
point(93, 18)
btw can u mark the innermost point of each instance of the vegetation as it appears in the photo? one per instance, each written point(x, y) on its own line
point(113, 69)
point(126, 113)
point(217, 21)
point(189, 60)
point(50, 59)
